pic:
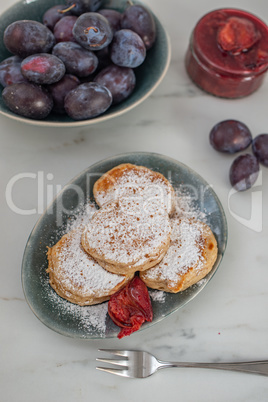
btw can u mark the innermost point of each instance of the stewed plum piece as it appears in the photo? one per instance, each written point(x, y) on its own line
point(87, 100)
point(28, 100)
point(230, 136)
point(79, 7)
point(140, 20)
point(63, 30)
point(53, 15)
point(244, 172)
point(130, 307)
point(77, 60)
point(92, 31)
point(60, 89)
point(43, 68)
point(27, 37)
point(127, 49)
point(119, 80)
point(260, 148)
point(10, 72)
point(237, 35)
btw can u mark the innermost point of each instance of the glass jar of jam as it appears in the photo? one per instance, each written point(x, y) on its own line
point(228, 53)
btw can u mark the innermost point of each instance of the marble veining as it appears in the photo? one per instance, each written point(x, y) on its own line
point(7, 299)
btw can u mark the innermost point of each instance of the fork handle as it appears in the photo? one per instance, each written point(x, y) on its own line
point(254, 367)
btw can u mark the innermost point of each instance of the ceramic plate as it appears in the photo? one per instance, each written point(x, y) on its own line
point(148, 75)
point(92, 321)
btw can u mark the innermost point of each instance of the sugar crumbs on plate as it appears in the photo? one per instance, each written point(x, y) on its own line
point(91, 320)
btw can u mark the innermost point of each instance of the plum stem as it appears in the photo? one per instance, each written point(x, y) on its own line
point(89, 28)
point(67, 9)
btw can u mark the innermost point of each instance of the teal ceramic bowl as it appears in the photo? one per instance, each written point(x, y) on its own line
point(148, 75)
point(93, 322)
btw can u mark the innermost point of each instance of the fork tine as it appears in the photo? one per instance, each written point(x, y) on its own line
point(113, 361)
point(122, 373)
point(123, 353)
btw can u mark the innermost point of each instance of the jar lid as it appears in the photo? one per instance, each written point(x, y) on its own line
point(231, 41)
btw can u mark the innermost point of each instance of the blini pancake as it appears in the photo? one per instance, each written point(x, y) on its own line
point(127, 180)
point(76, 276)
point(190, 257)
point(124, 238)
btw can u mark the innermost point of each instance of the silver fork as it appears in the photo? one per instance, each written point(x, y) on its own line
point(140, 364)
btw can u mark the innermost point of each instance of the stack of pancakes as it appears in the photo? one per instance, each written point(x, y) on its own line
point(135, 230)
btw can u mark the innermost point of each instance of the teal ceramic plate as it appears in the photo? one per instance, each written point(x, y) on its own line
point(92, 321)
point(148, 75)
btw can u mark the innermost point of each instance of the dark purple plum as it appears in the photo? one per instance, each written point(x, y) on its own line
point(60, 89)
point(119, 80)
point(43, 68)
point(113, 16)
point(63, 30)
point(230, 136)
point(127, 49)
point(87, 100)
point(140, 20)
point(103, 57)
point(93, 31)
point(53, 15)
point(260, 148)
point(26, 37)
point(10, 72)
point(244, 172)
point(79, 7)
point(28, 100)
point(78, 61)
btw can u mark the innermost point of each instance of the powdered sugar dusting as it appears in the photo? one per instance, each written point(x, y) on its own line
point(86, 319)
point(158, 295)
point(185, 207)
point(122, 232)
point(140, 183)
point(82, 217)
point(77, 272)
point(201, 282)
point(184, 251)
point(91, 320)
point(94, 316)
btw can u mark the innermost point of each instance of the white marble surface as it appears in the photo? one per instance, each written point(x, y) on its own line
point(227, 321)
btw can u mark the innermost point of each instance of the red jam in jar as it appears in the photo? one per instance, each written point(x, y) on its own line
point(228, 53)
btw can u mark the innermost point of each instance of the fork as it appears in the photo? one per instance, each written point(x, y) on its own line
point(140, 364)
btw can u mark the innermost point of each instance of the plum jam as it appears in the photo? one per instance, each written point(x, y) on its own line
point(228, 53)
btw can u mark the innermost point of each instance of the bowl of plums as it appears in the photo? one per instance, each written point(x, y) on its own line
point(73, 63)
